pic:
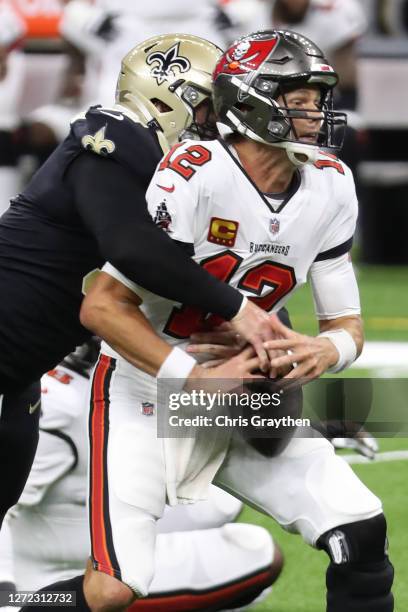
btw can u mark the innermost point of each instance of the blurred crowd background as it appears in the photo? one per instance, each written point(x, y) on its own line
point(59, 56)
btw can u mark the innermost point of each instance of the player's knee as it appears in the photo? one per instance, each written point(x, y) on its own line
point(249, 539)
point(105, 593)
point(359, 542)
point(254, 549)
point(115, 597)
point(360, 575)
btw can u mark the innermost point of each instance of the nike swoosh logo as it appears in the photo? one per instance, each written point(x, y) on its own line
point(119, 117)
point(32, 409)
point(169, 189)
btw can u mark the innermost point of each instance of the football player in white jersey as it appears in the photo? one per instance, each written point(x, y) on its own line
point(334, 25)
point(104, 30)
point(263, 208)
point(49, 526)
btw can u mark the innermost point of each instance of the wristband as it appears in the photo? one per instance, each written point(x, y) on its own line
point(346, 347)
point(241, 308)
point(177, 367)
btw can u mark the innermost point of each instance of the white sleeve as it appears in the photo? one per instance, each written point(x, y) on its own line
point(339, 237)
point(79, 25)
point(172, 201)
point(350, 22)
point(12, 26)
point(333, 28)
point(335, 290)
point(172, 198)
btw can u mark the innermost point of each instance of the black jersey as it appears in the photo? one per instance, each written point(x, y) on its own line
point(83, 207)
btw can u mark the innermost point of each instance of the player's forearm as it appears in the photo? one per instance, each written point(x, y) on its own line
point(124, 327)
point(346, 66)
point(157, 264)
point(114, 211)
point(290, 11)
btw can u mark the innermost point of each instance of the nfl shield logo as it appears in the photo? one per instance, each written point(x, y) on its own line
point(147, 408)
point(274, 225)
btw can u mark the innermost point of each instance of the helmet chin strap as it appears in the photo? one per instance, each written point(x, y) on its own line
point(298, 153)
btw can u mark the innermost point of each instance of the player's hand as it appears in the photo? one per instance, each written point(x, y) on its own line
point(349, 435)
point(365, 445)
point(228, 375)
point(221, 344)
point(217, 345)
point(362, 441)
point(257, 327)
point(308, 356)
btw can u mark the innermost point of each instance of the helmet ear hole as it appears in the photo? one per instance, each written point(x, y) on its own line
point(243, 108)
point(161, 106)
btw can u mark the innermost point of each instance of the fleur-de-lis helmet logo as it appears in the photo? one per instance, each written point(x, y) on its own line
point(166, 63)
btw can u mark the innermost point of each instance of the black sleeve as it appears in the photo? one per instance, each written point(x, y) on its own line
point(337, 251)
point(112, 205)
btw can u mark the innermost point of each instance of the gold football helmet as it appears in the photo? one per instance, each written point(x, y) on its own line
point(164, 79)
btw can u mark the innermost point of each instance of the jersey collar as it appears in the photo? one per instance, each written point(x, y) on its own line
point(293, 187)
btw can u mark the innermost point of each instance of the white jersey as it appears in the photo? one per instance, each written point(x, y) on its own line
point(159, 10)
point(45, 538)
point(132, 22)
point(12, 27)
point(330, 24)
point(48, 525)
point(60, 467)
point(201, 196)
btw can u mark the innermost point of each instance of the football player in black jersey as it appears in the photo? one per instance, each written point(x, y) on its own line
point(86, 206)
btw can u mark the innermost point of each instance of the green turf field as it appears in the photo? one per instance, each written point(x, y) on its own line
point(301, 585)
point(384, 294)
point(384, 298)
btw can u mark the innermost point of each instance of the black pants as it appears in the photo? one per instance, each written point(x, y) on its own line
point(19, 422)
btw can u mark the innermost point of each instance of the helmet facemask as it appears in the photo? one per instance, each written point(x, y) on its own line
point(330, 124)
point(200, 119)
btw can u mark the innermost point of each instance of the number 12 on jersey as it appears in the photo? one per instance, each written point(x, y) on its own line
point(185, 320)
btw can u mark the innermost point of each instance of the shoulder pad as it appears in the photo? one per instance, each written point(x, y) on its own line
point(186, 157)
point(111, 133)
point(328, 160)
